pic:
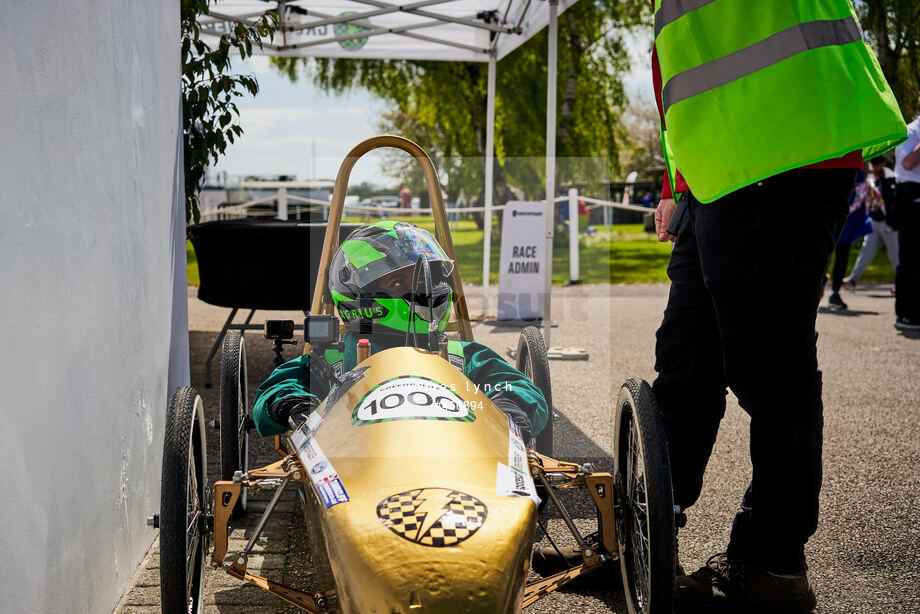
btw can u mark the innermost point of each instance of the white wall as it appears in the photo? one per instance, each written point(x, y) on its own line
point(91, 338)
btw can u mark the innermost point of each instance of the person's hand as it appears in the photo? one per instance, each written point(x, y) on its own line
point(300, 412)
point(517, 415)
point(663, 217)
point(292, 410)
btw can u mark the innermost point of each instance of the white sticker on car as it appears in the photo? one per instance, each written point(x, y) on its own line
point(313, 421)
point(509, 482)
point(517, 452)
point(321, 472)
point(514, 428)
point(411, 398)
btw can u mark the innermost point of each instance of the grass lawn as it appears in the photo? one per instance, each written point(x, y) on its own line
point(623, 253)
point(192, 264)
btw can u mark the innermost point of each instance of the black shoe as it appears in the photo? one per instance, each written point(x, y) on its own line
point(902, 323)
point(729, 585)
point(835, 302)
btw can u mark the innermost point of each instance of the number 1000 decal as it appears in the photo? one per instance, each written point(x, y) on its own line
point(410, 398)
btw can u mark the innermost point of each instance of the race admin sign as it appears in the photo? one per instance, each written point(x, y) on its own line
point(522, 277)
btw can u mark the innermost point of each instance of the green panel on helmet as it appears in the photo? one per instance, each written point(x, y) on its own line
point(442, 325)
point(384, 314)
point(360, 253)
point(336, 297)
point(388, 224)
point(397, 319)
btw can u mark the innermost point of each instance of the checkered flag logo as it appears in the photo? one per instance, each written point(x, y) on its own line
point(435, 517)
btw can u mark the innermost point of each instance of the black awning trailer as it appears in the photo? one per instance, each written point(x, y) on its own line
point(257, 264)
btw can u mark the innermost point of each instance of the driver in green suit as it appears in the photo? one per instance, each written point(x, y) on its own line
point(371, 284)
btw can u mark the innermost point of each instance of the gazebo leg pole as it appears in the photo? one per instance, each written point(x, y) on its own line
point(550, 217)
point(490, 178)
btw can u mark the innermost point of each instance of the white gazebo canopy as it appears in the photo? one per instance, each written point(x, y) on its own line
point(449, 30)
point(453, 30)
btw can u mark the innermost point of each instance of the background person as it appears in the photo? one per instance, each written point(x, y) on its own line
point(881, 209)
point(753, 240)
point(857, 225)
point(405, 197)
point(584, 215)
point(907, 277)
point(648, 199)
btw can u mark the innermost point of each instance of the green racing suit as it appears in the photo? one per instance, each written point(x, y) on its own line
point(505, 386)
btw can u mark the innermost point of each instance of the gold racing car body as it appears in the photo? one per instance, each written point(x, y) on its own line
point(421, 490)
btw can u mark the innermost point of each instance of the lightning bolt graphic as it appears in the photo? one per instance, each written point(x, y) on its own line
point(432, 505)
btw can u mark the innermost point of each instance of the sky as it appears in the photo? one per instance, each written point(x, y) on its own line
point(287, 122)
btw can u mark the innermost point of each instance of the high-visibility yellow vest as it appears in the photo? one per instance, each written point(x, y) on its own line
point(753, 88)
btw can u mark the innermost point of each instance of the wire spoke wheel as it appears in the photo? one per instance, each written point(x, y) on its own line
point(234, 413)
point(645, 520)
point(193, 515)
point(184, 537)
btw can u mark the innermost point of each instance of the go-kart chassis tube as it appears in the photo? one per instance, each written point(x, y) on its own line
point(314, 604)
point(565, 514)
point(226, 494)
point(536, 590)
point(268, 512)
point(600, 485)
point(287, 469)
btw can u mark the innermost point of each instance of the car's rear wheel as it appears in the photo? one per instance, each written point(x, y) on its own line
point(184, 534)
point(234, 413)
point(533, 362)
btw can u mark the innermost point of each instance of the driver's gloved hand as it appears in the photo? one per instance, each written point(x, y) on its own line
point(517, 415)
point(292, 410)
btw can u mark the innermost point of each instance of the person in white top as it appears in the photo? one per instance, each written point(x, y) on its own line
point(882, 179)
point(907, 277)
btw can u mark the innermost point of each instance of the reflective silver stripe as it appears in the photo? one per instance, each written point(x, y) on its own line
point(772, 50)
point(672, 10)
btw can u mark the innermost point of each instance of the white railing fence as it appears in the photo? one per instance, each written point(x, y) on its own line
point(283, 208)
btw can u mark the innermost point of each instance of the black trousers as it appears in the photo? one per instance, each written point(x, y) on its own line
point(746, 278)
point(907, 277)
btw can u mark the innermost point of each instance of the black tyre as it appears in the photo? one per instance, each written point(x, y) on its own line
point(184, 536)
point(645, 519)
point(532, 362)
point(234, 412)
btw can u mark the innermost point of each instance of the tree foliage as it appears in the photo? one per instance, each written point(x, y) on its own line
point(643, 151)
point(893, 28)
point(442, 105)
point(210, 119)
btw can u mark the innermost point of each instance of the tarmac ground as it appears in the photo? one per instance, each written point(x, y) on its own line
point(865, 556)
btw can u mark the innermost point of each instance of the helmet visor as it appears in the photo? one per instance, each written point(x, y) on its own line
point(368, 261)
